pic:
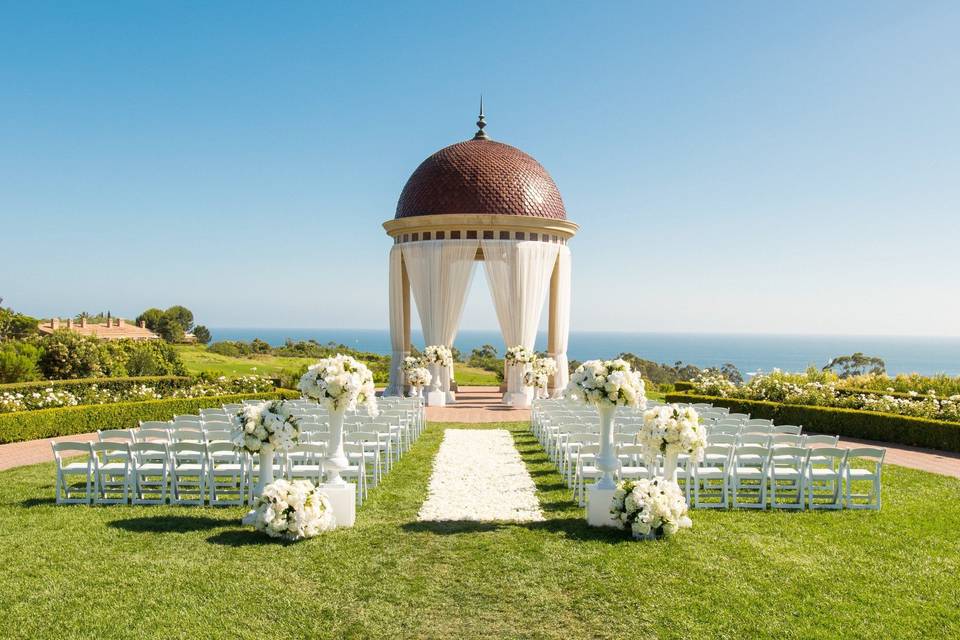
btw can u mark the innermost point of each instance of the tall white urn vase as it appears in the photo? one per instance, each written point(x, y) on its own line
point(342, 494)
point(670, 466)
point(436, 396)
point(600, 494)
point(265, 456)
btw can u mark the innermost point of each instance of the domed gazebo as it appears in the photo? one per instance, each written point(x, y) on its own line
point(480, 200)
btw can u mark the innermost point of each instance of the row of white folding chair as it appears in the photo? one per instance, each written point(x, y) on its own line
point(772, 440)
point(185, 473)
point(745, 476)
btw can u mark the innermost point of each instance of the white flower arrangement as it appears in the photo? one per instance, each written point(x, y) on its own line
point(291, 510)
point(341, 383)
point(519, 354)
point(266, 424)
point(671, 429)
point(419, 377)
point(545, 364)
point(606, 383)
point(650, 508)
point(438, 354)
point(410, 363)
point(536, 378)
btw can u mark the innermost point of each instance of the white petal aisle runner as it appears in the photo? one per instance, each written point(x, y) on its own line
point(478, 475)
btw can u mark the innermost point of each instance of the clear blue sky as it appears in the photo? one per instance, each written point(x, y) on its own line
point(735, 167)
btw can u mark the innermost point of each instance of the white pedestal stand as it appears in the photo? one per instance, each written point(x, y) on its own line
point(445, 376)
point(436, 397)
point(516, 395)
point(601, 492)
point(342, 494)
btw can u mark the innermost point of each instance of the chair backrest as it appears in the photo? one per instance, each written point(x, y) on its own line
point(790, 429)
point(588, 450)
point(155, 424)
point(729, 429)
point(115, 435)
point(219, 435)
point(187, 450)
point(745, 455)
point(757, 439)
point(821, 441)
point(873, 454)
point(69, 448)
point(186, 435)
point(785, 440)
point(217, 424)
point(145, 435)
point(187, 417)
point(759, 422)
point(739, 416)
point(103, 451)
point(827, 457)
point(756, 428)
point(715, 450)
point(793, 456)
point(221, 448)
point(149, 452)
point(722, 438)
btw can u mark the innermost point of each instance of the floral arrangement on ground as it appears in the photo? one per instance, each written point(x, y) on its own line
point(653, 508)
point(291, 510)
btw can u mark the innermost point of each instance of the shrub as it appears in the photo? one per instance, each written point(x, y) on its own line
point(163, 384)
point(683, 385)
point(66, 421)
point(201, 333)
point(70, 355)
point(868, 425)
point(18, 362)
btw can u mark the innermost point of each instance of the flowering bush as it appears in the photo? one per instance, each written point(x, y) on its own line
point(672, 430)
point(266, 424)
point(291, 510)
point(341, 383)
point(607, 383)
point(826, 390)
point(519, 355)
point(650, 507)
point(419, 377)
point(438, 354)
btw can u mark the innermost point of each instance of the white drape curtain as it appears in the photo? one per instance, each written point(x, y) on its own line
point(561, 325)
point(396, 384)
point(518, 273)
point(440, 272)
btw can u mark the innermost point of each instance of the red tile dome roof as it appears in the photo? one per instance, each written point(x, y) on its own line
point(481, 176)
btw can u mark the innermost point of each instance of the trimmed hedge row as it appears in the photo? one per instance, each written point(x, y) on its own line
point(162, 383)
point(66, 421)
point(683, 385)
point(852, 423)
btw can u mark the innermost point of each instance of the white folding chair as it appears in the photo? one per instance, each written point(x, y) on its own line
point(748, 476)
point(66, 470)
point(709, 477)
point(305, 462)
point(586, 467)
point(824, 477)
point(111, 468)
point(151, 435)
point(788, 429)
point(149, 473)
point(226, 477)
point(188, 472)
point(787, 477)
point(872, 458)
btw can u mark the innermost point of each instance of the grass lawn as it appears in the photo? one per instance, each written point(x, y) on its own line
point(197, 360)
point(186, 572)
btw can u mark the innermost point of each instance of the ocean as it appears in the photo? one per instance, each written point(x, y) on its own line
point(749, 352)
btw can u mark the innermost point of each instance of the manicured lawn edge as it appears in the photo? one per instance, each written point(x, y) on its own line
point(868, 425)
point(65, 421)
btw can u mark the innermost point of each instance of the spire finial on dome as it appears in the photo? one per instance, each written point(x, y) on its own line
point(481, 123)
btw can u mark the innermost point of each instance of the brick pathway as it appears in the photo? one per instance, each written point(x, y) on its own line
point(482, 404)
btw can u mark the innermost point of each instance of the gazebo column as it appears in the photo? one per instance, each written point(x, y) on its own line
point(399, 322)
point(558, 327)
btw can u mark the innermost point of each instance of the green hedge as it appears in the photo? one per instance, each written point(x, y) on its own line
point(852, 423)
point(66, 421)
point(683, 385)
point(161, 383)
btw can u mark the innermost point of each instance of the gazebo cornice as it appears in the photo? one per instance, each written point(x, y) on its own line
point(480, 222)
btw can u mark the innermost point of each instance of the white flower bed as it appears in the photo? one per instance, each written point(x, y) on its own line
point(478, 475)
point(291, 510)
point(341, 383)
